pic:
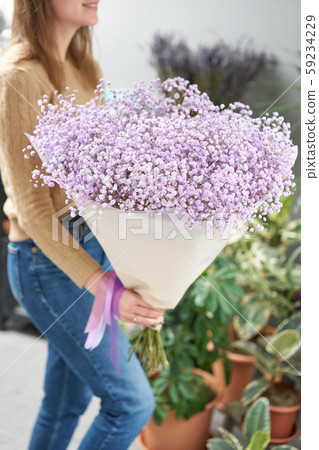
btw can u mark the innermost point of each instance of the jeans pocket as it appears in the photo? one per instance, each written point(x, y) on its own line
point(41, 263)
point(13, 269)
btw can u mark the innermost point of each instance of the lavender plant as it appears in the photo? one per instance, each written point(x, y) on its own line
point(171, 58)
point(221, 71)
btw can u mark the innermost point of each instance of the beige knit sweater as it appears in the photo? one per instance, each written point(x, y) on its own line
point(31, 210)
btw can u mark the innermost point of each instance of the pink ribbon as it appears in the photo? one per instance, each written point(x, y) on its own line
point(103, 315)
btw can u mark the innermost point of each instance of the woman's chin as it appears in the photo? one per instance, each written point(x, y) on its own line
point(90, 20)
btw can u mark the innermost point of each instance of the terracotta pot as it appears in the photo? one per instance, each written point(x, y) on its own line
point(242, 369)
point(268, 330)
point(180, 434)
point(283, 418)
point(277, 378)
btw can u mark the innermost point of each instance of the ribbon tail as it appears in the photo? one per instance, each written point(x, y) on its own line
point(105, 311)
point(98, 305)
point(96, 323)
point(95, 335)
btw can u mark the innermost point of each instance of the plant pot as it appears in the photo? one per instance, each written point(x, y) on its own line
point(242, 369)
point(181, 434)
point(277, 378)
point(283, 418)
point(268, 330)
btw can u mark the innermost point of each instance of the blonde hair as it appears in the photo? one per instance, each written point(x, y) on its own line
point(33, 38)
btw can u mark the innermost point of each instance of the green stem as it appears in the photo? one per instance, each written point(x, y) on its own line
point(151, 346)
point(135, 344)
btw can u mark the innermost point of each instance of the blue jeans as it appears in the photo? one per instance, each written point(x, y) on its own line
point(60, 309)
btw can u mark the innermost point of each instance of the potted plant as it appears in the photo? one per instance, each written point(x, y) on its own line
point(207, 310)
point(280, 356)
point(253, 320)
point(270, 277)
point(185, 395)
point(193, 336)
point(184, 403)
point(256, 429)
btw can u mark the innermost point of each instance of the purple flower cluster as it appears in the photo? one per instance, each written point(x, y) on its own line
point(220, 70)
point(166, 146)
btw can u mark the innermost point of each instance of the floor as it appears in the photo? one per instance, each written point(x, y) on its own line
point(22, 361)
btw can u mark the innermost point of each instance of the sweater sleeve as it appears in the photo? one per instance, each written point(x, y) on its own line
point(19, 93)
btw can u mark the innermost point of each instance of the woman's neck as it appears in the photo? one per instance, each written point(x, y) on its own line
point(64, 35)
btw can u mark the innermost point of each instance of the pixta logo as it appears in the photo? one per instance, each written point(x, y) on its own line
point(170, 226)
point(73, 227)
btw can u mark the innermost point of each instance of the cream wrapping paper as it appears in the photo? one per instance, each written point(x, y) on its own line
point(154, 254)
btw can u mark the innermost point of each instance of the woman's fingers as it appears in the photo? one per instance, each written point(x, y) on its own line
point(141, 320)
point(146, 305)
point(133, 309)
point(145, 321)
point(148, 312)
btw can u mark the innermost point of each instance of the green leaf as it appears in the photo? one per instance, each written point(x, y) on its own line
point(290, 323)
point(218, 444)
point(212, 302)
point(159, 385)
point(160, 413)
point(284, 344)
point(259, 441)
point(185, 390)
point(228, 306)
point(174, 367)
point(255, 315)
point(224, 273)
point(198, 327)
point(233, 289)
point(294, 369)
point(230, 438)
point(257, 418)
point(200, 292)
point(173, 392)
point(246, 347)
point(254, 389)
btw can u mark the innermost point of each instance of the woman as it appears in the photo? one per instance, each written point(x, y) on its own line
point(56, 283)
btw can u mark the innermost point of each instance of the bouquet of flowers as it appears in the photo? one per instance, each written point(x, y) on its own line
point(168, 173)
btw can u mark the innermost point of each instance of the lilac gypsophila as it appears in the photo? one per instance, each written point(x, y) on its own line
point(166, 146)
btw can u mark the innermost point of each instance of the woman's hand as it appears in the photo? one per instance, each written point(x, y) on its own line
point(135, 310)
point(132, 307)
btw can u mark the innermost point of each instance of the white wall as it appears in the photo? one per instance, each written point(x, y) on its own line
point(126, 27)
